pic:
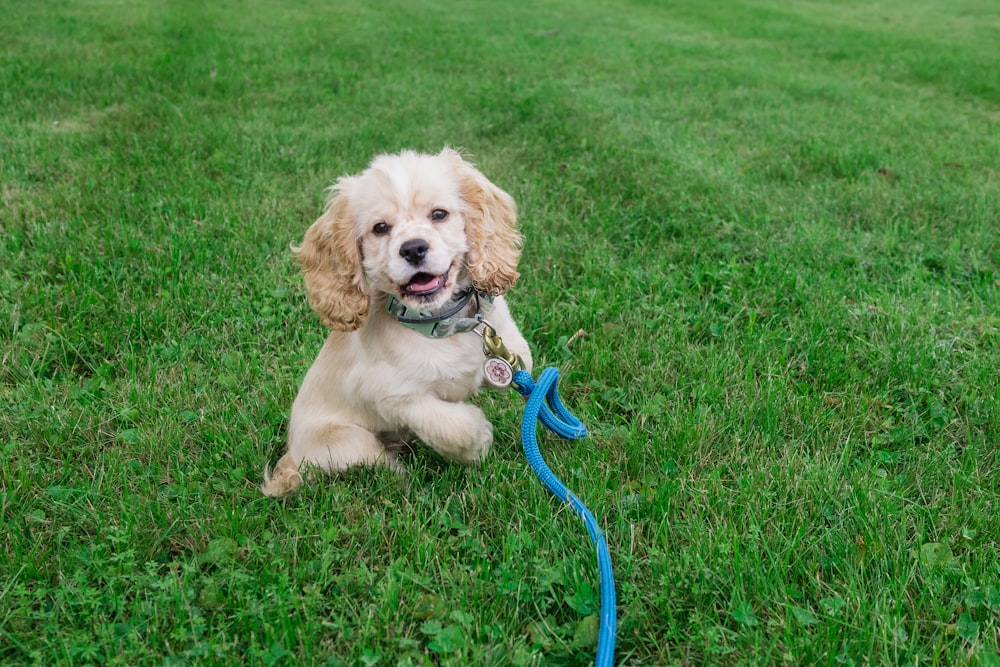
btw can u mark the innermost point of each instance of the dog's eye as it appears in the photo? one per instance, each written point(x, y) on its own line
point(380, 229)
point(438, 215)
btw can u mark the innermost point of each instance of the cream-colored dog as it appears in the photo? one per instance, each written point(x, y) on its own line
point(409, 256)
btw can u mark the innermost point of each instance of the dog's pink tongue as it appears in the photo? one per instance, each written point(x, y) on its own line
point(424, 282)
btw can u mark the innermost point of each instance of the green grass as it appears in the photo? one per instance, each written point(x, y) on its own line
point(774, 223)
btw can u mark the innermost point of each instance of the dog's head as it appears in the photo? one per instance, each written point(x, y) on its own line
point(420, 227)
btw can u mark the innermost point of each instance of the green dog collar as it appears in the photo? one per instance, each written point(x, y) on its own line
point(444, 324)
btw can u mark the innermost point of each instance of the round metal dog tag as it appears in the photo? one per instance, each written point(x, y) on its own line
point(499, 373)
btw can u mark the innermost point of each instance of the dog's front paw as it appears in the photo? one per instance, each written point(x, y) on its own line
point(480, 444)
point(467, 438)
point(457, 431)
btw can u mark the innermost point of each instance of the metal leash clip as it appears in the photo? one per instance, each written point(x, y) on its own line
point(501, 363)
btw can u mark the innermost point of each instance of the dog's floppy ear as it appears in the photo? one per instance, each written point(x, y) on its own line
point(331, 264)
point(490, 229)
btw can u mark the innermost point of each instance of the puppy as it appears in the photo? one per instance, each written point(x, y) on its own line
point(407, 259)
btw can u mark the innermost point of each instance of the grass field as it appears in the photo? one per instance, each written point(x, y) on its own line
point(763, 250)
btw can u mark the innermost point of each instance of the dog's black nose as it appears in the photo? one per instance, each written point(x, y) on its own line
point(414, 251)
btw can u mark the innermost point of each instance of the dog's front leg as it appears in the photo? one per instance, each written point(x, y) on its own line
point(458, 431)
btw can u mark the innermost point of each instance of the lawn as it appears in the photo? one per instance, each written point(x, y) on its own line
point(763, 249)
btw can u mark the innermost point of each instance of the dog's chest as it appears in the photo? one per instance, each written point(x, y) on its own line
point(453, 366)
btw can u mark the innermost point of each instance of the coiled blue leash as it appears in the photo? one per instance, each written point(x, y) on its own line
point(504, 369)
point(544, 405)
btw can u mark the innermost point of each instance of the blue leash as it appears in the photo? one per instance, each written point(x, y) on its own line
point(544, 404)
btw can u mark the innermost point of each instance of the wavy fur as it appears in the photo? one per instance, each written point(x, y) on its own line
point(331, 265)
point(491, 230)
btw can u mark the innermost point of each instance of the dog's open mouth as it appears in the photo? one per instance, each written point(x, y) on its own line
point(425, 285)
